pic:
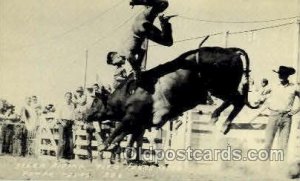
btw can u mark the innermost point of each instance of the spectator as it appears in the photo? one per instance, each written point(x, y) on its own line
point(94, 126)
point(97, 90)
point(79, 97)
point(47, 120)
point(29, 118)
point(36, 105)
point(7, 130)
point(49, 114)
point(101, 92)
point(280, 105)
point(28, 115)
point(66, 117)
point(108, 88)
point(2, 112)
point(12, 119)
point(263, 92)
point(79, 101)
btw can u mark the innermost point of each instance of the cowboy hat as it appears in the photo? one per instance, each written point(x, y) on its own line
point(283, 70)
point(79, 89)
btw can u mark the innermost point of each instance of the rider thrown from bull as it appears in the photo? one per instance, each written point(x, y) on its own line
point(142, 29)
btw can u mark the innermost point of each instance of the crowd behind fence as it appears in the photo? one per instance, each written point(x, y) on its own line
point(20, 133)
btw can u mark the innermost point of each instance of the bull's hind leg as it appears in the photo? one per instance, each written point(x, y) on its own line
point(115, 146)
point(237, 107)
point(137, 136)
point(216, 114)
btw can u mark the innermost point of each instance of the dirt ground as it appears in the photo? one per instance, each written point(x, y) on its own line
point(12, 168)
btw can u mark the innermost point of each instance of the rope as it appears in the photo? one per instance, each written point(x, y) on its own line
point(237, 22)
point(237, 32)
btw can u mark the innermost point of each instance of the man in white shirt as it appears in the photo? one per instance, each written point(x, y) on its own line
point(36, 105)
point(66, 117)
point(281, 103)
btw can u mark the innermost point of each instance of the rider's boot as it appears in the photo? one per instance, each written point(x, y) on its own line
point(149, 3)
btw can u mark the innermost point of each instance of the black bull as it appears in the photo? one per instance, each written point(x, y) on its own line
point(168, 90)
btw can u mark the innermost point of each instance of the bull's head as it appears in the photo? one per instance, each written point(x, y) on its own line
point(94, 111)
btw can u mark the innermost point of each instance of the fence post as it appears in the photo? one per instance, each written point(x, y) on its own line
point(298, 53)
point(226, 36)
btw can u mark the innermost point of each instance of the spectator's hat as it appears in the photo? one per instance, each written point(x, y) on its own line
point(49, 106)
point(96, 85)
point(285, 71)
point(10, 106)
point(79, 89)
point(90, 87)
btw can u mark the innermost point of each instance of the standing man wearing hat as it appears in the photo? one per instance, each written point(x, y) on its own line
point(281, 103)
point(80, 97)
point(80, 100)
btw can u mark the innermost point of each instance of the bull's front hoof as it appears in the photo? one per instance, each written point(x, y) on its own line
point(226, 127)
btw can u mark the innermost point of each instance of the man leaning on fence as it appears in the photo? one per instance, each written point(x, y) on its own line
point(281, 109)
point(66, 117)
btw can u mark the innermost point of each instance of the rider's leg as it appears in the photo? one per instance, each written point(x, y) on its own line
point(135, 59)
point(159, 5)
point(163, 36)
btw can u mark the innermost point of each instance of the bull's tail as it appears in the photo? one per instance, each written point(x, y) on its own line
point(246, 85)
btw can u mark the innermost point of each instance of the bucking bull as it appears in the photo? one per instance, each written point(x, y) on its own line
point(166, 91)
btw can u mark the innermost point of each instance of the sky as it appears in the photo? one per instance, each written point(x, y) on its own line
point(43, 43)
